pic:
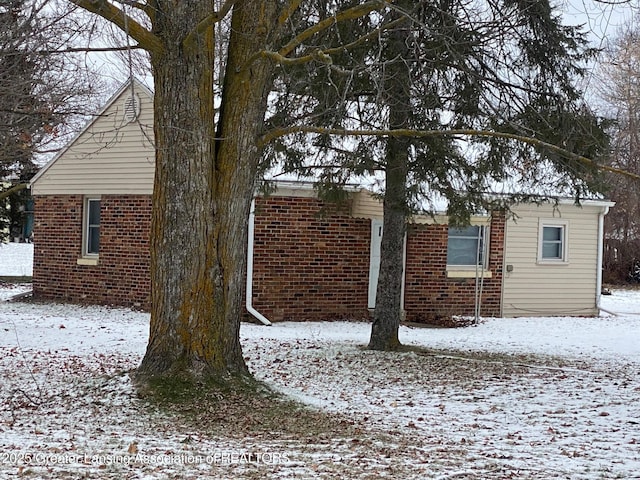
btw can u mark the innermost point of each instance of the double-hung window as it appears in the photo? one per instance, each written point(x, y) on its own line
point(91, 227)
point(552, 241)
point(466, 246)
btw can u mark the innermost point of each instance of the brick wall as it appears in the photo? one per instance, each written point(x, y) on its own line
point(309, 263)
point(122, 274)
point(431, 297)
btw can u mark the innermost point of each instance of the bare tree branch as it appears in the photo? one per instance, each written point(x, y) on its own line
point(131, 27)
point(364, 38)
point(88, 50)
point(317, 55)
point(288, 11)
point(324, 56)
point(201, 28)
point(12, 190)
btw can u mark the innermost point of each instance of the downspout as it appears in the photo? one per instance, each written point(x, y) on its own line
point(480, 254)
point(599, 257)
point(249, 290)
point(404, 273)
point(476, 314)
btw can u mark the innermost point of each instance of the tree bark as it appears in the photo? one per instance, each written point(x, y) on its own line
point(203, 187)
point(396, 95)
point(388, 309)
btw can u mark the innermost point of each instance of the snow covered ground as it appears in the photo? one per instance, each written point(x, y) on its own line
point(528, 398)
point(16, 259)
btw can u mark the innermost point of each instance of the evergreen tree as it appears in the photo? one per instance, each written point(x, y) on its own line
point(18, 123)
point(462, 76)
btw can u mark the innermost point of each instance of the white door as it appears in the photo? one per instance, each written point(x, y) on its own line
point(374, 263)
point(374, 260)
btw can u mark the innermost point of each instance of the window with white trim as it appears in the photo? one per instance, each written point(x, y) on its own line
point(552, 241)
point(466, 246)
point(91, 227)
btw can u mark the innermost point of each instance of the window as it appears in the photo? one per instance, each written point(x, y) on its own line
point(91, 227)
point(552, 245)
point(466, 246)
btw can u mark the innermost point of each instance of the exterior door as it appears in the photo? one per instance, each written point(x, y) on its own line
point(374, 263)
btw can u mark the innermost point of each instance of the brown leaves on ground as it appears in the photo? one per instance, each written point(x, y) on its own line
point(241, 408)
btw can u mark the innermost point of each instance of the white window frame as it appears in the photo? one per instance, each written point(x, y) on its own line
point(86, 228)
point(563, 225)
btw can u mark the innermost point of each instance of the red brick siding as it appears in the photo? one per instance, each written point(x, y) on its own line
point(309, 266)
point(122, 274)
point(310, 262)
point(431, 297)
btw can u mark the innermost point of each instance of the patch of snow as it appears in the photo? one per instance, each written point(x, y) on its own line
point(605, 338)
point(10, 291)
point(622, 301)
point(16, 259)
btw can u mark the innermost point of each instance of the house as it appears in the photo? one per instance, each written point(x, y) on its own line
point(308, 260)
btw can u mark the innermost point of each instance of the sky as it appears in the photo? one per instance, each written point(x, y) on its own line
point(601, 19)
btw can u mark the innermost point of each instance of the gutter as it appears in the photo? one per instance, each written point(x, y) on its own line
point(249, 290)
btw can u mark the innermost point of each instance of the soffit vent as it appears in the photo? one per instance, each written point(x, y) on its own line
point(131, 108)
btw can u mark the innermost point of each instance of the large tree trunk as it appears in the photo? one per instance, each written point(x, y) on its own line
point(388, 310)
point(396, 94)
point(203, 188)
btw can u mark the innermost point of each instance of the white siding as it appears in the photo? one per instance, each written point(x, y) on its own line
point(535, 288)
point(367, 205)
point(111, 156)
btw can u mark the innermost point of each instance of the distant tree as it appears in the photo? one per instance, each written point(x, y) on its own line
point(619, 78)
point(40, 92)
